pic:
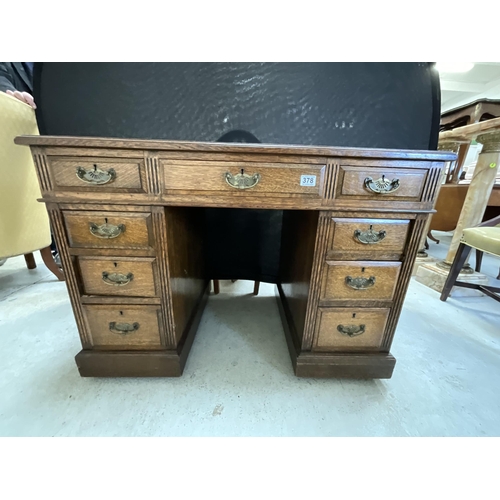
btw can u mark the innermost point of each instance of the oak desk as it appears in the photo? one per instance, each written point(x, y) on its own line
point(127, 219)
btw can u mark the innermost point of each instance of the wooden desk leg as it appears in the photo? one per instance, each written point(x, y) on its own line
point(30, 260)
point(48, 260)
point(216, 287)
point(256, 288)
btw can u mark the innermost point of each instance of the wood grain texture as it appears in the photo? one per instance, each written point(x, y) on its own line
point(213, 147)
point(128, 173)
point(161, 247)
point(230, 200)
point(322, 236)
point(330, 181)
point(185, 264)
point(297, 252)
point(371, 321)
point(404, 279)
point(138, 270)
point(42, 169)
point(352, 185)
point(209, 176)
point(159, 194)
point(344, 245)
point(136, 233)
point(433, 182)
point(352, 366)
point(106, 321)
point(153, 175)
point(335, 288)
point(165, 363)
point(71, 278)
point(95, 363)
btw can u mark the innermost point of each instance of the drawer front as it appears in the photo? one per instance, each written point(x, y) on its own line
point(97, 174)
point(350, 329)
point(108, 230)
point(243, 178)
point(124, 326)
point(372, 238)
point(365, 280)
point(381, 184)
point(118, 276)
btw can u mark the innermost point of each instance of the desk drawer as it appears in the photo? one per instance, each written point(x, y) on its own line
point(125, 276)
point(350, 329)
point(109, 230)
point(365, 280)
point(381, 184)
point(243, 178)
point(376, 239)
point(97, 174)
point(124, 326)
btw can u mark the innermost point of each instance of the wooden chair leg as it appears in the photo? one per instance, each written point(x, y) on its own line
point(216, 287)
point(479, 260)
point(256, 288)
point(429, 235)
point(48, 260)
point(463, 252)
point(30, 260)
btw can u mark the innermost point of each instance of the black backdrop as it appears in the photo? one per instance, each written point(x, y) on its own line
point(374, 105)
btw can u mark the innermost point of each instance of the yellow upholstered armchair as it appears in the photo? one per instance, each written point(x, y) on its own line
point(24, 222)
point(484, 238)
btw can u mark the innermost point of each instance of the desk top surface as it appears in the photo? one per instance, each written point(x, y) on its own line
point(218, 147)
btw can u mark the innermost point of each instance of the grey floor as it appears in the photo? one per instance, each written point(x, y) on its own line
point(238, 380)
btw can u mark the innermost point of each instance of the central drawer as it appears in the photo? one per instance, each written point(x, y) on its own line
point(118, 276)
point(124, 326)
point(364, 280)
point(240, 178)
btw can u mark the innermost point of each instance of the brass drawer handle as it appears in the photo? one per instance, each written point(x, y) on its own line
point(117, 279)
point(369, 237)
point(123, 328)
point(95, 175)
point(242, 180)
point(382, 185)
point(351, 330)
point(106, 231)
point(360, 283)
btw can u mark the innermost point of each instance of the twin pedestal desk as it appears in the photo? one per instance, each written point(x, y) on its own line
point(127, 219)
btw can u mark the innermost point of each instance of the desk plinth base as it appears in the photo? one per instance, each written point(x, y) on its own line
point(331, 365)
point(355, 366)
point(93, 363)
point(129, 364)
